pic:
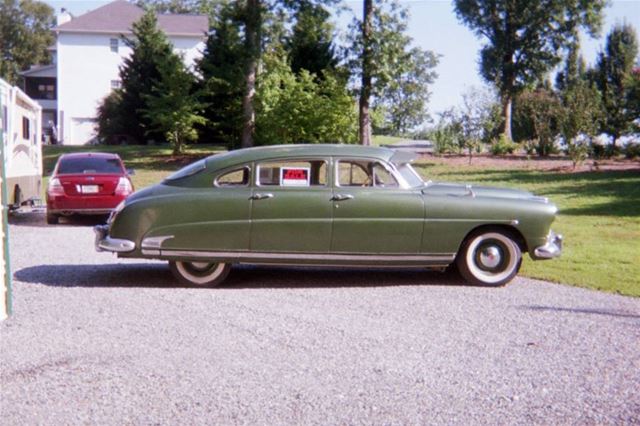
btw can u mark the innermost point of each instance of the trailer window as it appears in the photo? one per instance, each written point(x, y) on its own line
point(26, 131)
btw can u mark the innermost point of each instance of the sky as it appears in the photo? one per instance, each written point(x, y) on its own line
point(434, 26)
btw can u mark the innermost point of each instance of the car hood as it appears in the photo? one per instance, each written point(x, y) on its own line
point(443, 188)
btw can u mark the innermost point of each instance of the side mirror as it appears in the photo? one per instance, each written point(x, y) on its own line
point(131, 172)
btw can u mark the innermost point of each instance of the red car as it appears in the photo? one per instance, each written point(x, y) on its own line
point(87, 184)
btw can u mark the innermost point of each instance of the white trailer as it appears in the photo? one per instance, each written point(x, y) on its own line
point(21, 127)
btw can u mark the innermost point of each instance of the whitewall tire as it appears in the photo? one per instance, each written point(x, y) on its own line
point(489, 258)
point(200, 274)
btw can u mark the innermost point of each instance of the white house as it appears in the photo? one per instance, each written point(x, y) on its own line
point(89, 51)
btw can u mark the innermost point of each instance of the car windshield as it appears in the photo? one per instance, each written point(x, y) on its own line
point(85, 165)
point(410, 175)
point(190, 170)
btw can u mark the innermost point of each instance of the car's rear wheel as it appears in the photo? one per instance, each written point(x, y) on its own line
point(52, 219)
point(200, 274)
point(489, 258)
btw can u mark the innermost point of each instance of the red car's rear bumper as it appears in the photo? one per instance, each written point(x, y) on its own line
point(83, 204)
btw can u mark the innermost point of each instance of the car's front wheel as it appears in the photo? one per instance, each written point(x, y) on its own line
point(200, 274)
point(489, 258)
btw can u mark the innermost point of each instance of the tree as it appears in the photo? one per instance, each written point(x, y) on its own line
point(580, 118)
point(252, 14)
point(150, 50)
point(25, 35)
point(208, 7)
point(405, 96)
point(366, 77)
point(633, 96)
point(310, 45)
point(293, 108)
point(524, 39)
point(574, 68)
point(538, 115)
point(173, 108)
point(381, 54)
point(221, 72)
point(613, 69)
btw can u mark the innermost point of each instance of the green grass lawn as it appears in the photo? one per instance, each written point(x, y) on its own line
point(599, 218)
point(378, 140)
point(599, 211)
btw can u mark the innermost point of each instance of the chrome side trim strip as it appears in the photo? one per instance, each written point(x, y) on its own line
point(309, 256)
point(155, 242)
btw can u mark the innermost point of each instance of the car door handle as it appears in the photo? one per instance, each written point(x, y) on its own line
point(342, 197)
point(261, 196)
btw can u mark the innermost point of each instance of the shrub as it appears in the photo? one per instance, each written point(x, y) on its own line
point(632, 150)
point(503, 146)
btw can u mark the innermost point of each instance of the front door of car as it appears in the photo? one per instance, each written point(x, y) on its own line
point(372, 213)
point(291, 207)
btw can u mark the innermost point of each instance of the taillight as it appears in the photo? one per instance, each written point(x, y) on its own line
point(124, 186)
point(55, 187)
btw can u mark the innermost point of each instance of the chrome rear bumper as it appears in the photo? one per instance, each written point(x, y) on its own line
point(104, 242)
point(553, 247)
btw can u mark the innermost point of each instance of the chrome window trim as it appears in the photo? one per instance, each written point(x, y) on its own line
point(258, 165)
point(402, 183)
point(231, 170)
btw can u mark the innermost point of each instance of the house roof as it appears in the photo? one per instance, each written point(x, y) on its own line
point(118, 17)
point(40, 71)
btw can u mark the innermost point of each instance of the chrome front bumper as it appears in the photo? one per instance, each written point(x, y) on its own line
point(104, 242)
point(553, 247)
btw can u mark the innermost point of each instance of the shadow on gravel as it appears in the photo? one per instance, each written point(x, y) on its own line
point(587, 311)
point(241, 277)
point(37, 219)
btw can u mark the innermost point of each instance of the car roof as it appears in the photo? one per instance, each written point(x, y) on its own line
point(90, 155)
point(287, 151)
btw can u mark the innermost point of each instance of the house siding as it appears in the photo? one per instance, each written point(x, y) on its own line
point(86, 66)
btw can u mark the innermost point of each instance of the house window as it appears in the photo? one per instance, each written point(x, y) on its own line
point(115, 84)
point(26, 130)
point(113, 43)
point(46, 91)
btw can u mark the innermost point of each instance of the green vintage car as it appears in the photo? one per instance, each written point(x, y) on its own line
point(327, 205)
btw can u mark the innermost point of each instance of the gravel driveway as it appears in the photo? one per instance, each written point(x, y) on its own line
point(97, 340)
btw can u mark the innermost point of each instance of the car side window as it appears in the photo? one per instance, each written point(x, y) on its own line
point(365, 173)
point(237, 177)
point(300, 173)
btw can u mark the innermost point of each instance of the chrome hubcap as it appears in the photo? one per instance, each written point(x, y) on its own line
point(200, 265)
point(490, 257)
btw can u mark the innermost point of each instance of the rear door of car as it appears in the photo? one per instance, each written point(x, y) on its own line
point(291, 206)
point(372, 213)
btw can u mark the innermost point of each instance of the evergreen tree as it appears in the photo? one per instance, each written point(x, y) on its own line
point(574, 68)
point(150, 50)
point(221, 80)
point(172, 108)
point(310, 45)
point(614, 67)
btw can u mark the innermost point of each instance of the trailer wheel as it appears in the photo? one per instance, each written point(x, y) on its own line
point(17, 197)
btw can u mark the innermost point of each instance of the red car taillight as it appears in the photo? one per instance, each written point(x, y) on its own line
point(124, 187)
point(55, 187)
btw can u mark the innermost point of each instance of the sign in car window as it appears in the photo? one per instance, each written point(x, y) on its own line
point(295, 176)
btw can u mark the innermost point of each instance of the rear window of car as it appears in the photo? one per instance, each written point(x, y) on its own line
point(190, 170)
point(89, 165)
